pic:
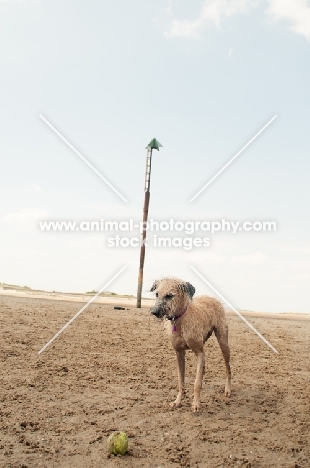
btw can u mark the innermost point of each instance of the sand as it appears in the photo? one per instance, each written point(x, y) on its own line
point(75, 297)
point(115, 370)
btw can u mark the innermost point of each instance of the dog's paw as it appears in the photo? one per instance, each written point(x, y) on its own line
point(196, 406)
point(227, 392)
point(175, 404)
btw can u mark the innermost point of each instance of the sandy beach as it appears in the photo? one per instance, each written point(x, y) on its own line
point(115, 370)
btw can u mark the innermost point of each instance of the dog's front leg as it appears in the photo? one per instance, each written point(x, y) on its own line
point(181, 378)
point(198, 380)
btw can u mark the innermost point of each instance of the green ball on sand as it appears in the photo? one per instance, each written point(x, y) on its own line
point(118, 443)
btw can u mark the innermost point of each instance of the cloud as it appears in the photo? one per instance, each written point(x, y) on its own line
point(19, 2)
point(297, 12)
point(113, 211)
point(16, 1)
point(17, 254)
point(36, 188)
point(24, 216)
point(184, 28)
point(212, 12)
point(256, 258)
point(300, 248)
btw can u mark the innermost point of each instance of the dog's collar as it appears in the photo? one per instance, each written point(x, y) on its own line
point(175, 318)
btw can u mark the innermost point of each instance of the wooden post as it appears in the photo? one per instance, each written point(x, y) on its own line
point(142, 251)
point(153, 144)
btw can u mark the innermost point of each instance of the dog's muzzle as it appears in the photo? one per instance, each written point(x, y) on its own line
point(156, 312)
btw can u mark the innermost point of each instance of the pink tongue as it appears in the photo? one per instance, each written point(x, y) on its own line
point(174, 329)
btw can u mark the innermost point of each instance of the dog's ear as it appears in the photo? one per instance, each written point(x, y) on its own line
point(190, 289)
point(154, 286)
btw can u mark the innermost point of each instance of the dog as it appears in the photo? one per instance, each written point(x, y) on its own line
point(192, 323)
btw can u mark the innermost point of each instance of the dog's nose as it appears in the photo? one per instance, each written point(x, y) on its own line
point(154, 311)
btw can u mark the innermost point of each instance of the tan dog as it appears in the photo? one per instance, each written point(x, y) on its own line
point(192, 323)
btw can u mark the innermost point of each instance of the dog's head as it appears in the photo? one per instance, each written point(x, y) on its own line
point(172, 297)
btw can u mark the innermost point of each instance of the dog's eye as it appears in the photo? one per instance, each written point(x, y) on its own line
point(156, 294)
point(169, 296)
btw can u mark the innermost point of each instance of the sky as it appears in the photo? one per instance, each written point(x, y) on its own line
point(203, 77)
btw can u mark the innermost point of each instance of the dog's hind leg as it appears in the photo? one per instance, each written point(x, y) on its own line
point(222, 338)
point(198, 381)
point(181, 378)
